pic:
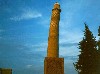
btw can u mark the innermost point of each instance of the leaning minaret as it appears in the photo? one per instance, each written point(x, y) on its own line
point(52, 63)
point(53, 39)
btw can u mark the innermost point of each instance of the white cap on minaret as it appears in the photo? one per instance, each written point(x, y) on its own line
point(57, 5)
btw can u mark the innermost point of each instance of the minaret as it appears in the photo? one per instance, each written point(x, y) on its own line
point(52, 63)
point(53, 39)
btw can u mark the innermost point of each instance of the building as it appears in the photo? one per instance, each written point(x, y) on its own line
point(5, 71)
point(52, 63)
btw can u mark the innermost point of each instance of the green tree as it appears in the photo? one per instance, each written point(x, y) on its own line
point(86, 63)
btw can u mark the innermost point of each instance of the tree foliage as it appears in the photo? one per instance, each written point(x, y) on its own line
point(86, 63)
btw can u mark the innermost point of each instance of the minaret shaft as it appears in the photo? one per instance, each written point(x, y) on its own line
point(53, 39)
point(52, 63)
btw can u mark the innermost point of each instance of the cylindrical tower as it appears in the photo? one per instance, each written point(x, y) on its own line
point(52, 63)
point(53, 39)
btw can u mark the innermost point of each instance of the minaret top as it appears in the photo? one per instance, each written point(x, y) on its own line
point(57, 5)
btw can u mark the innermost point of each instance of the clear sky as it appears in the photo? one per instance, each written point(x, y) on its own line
point(24, 28)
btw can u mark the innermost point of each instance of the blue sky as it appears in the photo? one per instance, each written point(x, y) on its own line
point(24, 28)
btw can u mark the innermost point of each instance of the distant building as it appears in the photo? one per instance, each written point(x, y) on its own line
point(5, 71)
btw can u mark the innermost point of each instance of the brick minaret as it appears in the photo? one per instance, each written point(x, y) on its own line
point(53, 39)
point(52, 63)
